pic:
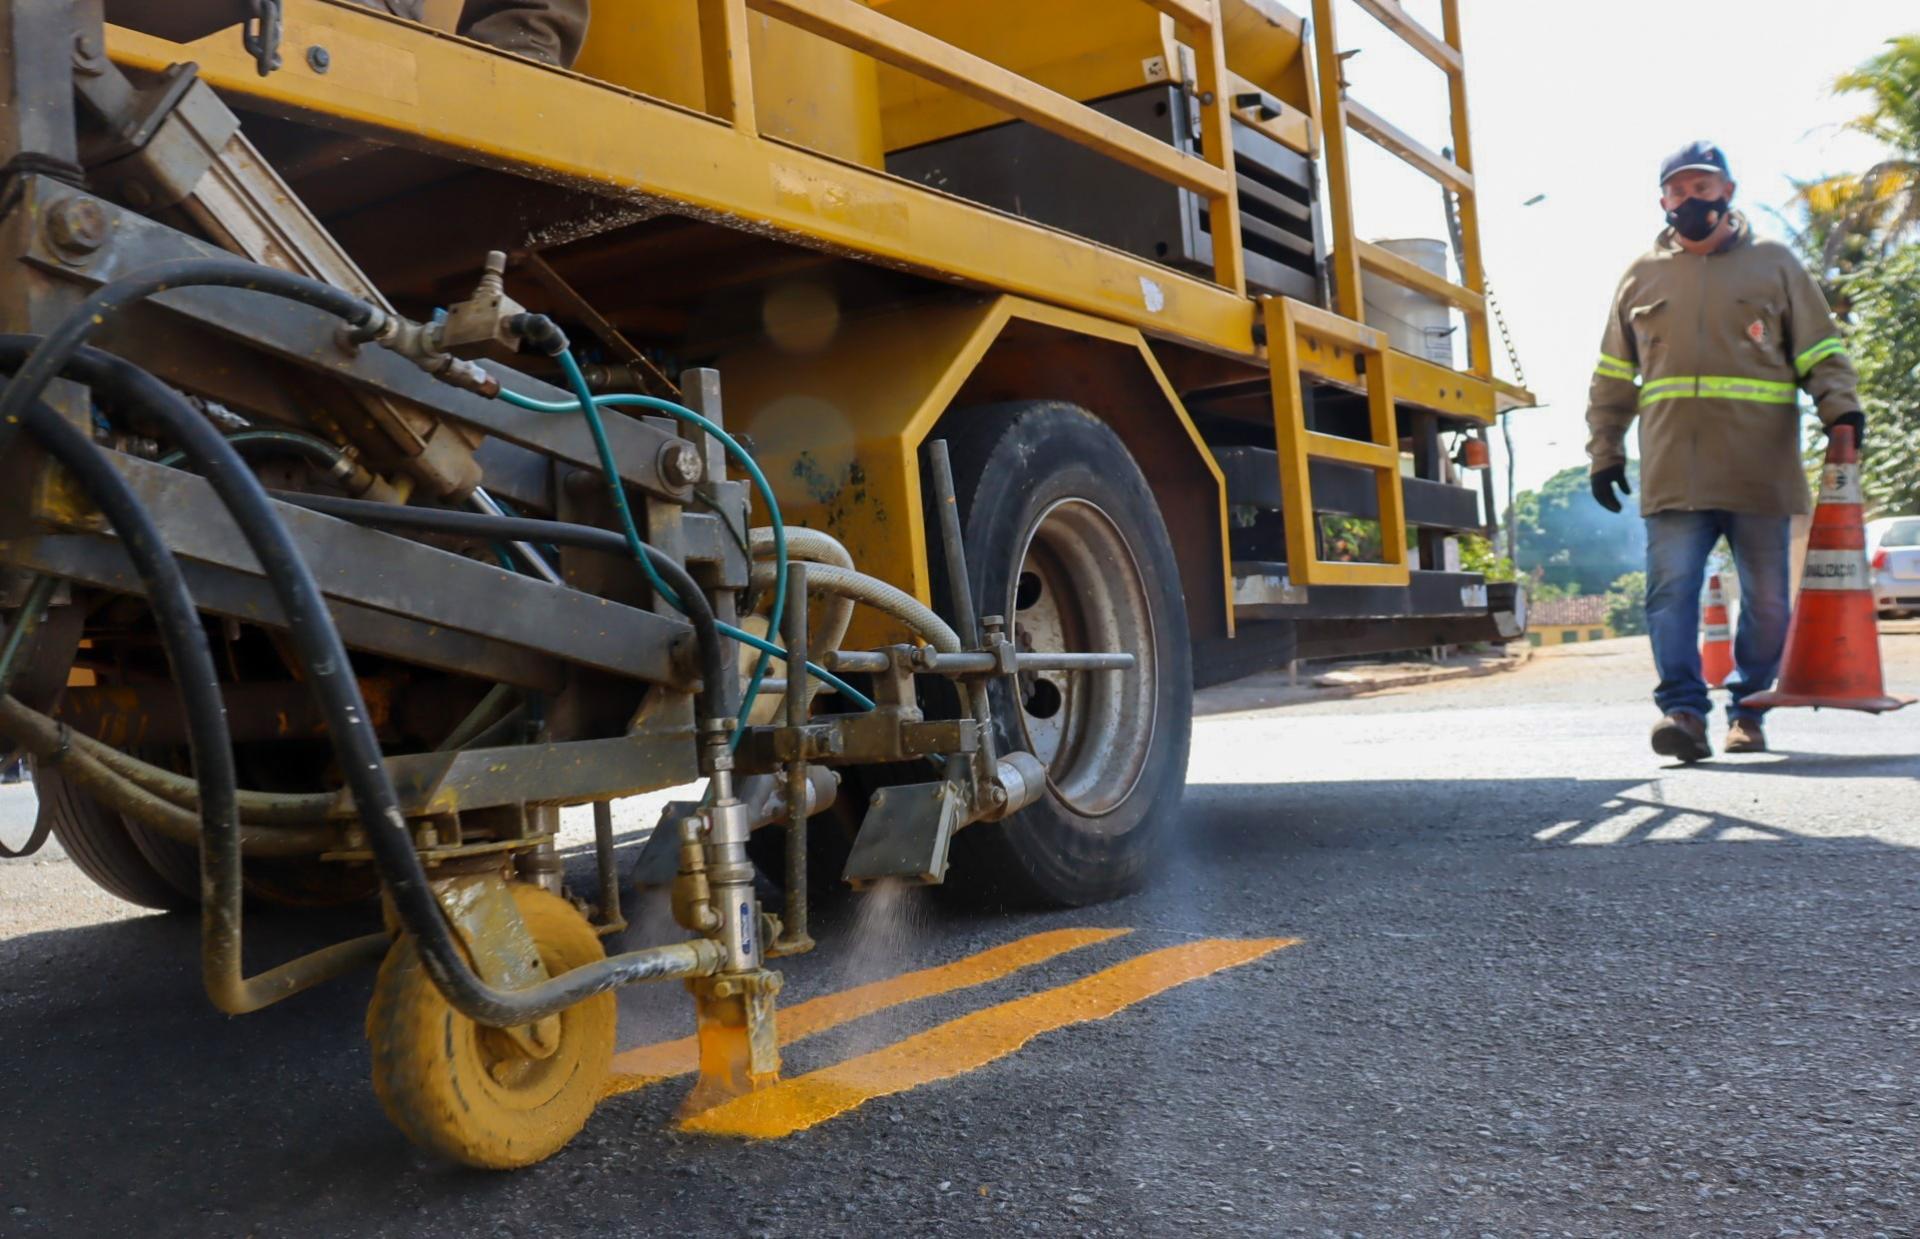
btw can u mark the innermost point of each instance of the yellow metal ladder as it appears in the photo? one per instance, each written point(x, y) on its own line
point(1290, 323)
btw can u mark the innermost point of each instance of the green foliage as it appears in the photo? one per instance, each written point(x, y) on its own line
point(1476, 555)
point(1569, 542)
point(1859, 232)
point(1354, 538)
point(1885, 346)
point(1542, 590)
point(1627, 605)
point(1855, 219)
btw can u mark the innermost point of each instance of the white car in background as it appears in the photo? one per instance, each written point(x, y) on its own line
point(1893, 549)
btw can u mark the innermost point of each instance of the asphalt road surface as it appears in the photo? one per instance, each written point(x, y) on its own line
point(1464, 959)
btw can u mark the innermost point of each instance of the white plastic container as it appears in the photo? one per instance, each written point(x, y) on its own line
point(1414, 322)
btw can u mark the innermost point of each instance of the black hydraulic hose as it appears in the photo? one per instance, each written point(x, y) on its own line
point(713, 658)
point(323, 657)
point(58, 746)
point(318, 450)
point(50, 357)
point(191, 656)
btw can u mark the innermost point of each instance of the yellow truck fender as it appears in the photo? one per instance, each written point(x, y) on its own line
point(839, 409)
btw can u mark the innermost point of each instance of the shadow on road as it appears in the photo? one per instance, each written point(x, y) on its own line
point(1819, 765)
point(127, 1097)
point(1271, 821)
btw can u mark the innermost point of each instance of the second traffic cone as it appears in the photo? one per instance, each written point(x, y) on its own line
point(1716, 647)
point(1833, 643)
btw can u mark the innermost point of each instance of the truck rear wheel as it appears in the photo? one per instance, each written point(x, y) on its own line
point(120, 857)
point(1064, 538)
point(144, 867)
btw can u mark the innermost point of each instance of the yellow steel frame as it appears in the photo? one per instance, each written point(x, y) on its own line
point(425, 89)
point(419, 88)
point(1286, 319)
point(416, 87)
point(727, 64)
point(854, 25)
point(1090, 49)
point(1341, 114)
point(840, 436)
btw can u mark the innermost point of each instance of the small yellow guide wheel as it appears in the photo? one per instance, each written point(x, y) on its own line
point(470, 1092)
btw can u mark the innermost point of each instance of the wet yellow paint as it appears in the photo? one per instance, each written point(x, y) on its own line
point(970, 1042)
point(649, 1064)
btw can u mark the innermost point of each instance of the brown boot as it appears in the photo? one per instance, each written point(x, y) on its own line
point(1744, 736)
point(1682, 735)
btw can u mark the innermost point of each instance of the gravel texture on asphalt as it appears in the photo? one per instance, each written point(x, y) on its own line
point(1548, 985)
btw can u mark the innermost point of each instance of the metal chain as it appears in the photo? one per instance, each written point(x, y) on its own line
point(260, 35)
point(1458, 232)
point(1506, 336)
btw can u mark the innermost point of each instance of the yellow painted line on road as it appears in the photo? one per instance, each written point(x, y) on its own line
point(649, 1064)
point(971, 1041)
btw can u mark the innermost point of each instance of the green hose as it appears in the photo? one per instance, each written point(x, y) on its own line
point(587, 403)
point(309, 445)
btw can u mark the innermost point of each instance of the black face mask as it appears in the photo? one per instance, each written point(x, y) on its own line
point(1696, 218)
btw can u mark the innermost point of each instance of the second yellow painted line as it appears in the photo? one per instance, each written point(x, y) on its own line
point(649, 1064)
point(971, 1041)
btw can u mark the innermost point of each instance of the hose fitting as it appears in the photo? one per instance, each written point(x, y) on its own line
point(539, 333)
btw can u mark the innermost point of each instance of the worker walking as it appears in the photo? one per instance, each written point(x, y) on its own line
point(1712, 336)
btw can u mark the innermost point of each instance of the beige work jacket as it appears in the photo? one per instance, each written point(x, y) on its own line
point(1711, 353)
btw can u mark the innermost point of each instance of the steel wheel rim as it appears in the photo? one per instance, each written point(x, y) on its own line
point(1082, 590)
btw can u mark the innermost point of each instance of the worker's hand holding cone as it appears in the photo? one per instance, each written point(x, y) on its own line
point(1716, 646)
point(1833, 645)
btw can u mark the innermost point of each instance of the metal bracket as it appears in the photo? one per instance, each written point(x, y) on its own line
point(488, 922)
point(906, 834)
point(765, 796)
point(881, 735)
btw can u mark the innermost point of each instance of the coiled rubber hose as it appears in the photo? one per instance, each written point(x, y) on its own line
point(317, 647)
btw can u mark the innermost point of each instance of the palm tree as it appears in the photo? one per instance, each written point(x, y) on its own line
point(1854, 218)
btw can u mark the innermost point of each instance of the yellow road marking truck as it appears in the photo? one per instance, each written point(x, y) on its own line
point(423, 415)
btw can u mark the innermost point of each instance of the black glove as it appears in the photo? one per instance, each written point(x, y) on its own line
point(1858, 421)
point(1604, 480)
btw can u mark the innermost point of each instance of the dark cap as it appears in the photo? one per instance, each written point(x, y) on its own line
point(1698, 156)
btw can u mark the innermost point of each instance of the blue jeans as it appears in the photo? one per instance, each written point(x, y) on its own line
point(1678, 544)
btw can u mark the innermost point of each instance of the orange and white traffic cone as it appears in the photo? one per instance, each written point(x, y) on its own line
point(1716, 646)
point(1833, 643)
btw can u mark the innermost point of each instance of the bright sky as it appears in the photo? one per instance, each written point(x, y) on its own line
point(1580, 102)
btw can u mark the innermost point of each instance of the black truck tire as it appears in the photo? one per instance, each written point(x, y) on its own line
point(122, 858)
point(146, 868)
point(1064, 539)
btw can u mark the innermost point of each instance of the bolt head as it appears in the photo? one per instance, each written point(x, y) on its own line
point(89, 56)
point(319, 59)
point(77, 225)
point(680, 463)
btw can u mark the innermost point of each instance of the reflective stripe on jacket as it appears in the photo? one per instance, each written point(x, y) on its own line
point(1711, 353)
